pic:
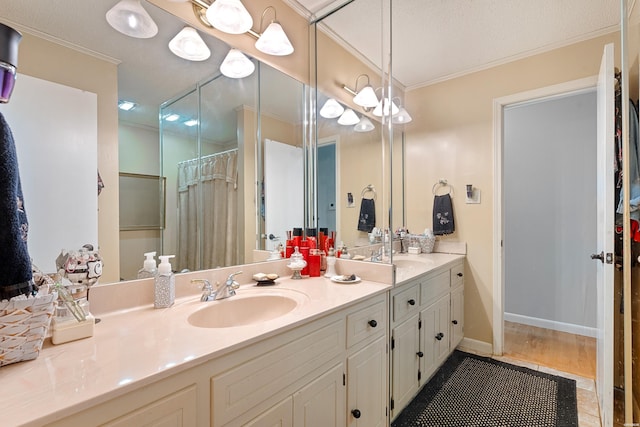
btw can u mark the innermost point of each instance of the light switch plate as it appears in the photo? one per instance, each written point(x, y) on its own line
point(475, 197)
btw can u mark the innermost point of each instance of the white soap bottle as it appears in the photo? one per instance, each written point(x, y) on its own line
point(149, 269)
point(165, 285)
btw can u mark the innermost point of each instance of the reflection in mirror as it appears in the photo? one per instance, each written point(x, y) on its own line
point(361, 147)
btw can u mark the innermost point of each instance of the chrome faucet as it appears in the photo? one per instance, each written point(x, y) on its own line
point(222, 291)
point(376, 256)
point(228, 289)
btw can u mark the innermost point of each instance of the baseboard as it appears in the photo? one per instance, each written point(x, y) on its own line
point(551, 324)
point(474, 346)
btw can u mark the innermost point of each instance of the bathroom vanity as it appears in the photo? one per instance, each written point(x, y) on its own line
point(324, 362)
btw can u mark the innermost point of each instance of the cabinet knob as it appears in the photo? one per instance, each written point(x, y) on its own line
point(439, 336)
point(356, 413)
point(455, 322)
point(459, 274)
point(420, 354)
point(411, 302)
point(372, 323)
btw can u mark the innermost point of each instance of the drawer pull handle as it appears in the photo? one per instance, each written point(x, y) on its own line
point(372, 323)
point(411, 302)
point(459, 274)
point(439, 336)
point(420, 354)
point(356, 413)
point(455, 322)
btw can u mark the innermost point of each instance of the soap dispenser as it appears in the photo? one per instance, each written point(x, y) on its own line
point(165, 286)
point(149, 269)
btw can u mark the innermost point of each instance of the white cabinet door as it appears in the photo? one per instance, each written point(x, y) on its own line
point(280, 415)
point(321, 403)
point(367, 386)
point(406, 362)
point(457, 317)
point(434, 336)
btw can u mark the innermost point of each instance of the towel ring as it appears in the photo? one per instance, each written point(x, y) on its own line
point(441, 183)
point(369, 189)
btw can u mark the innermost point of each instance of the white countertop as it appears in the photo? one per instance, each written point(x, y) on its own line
point(134, 347)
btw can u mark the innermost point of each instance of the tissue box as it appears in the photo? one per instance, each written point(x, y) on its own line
point(414, 250)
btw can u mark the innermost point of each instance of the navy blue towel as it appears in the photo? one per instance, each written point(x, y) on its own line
point(367, 220)
point(442, 215)
point(15, 263)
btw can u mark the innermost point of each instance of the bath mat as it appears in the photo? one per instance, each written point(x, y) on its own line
point(470, 390)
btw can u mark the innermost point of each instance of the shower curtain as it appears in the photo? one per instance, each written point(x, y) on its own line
point(207, 201)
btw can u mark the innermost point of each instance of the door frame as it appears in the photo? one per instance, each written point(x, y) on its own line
point(548, 92)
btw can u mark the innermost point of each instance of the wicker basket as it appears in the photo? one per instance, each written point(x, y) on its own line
point(23, 327)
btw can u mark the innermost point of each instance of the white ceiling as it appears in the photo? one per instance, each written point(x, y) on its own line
point(433, 39)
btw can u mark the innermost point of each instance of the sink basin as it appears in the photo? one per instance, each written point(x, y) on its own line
point(242, 310)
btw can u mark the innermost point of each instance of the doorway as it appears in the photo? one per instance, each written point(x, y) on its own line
point(327, 183)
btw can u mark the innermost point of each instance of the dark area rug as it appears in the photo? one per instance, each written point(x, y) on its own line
point(475, 391)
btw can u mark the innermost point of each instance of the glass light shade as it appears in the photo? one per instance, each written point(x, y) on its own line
point(331, 109)
point(384, 105)
point(348, 118)
point(130, 18)
point(7, 81)
point(188, 44)
point(236, 65)
point(274, 41)
point(366, 97)
point(364, 125)
point(229, 16)
point(401, 117)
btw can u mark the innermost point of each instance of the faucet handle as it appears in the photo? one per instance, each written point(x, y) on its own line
point(231, 281)
point(206, 284)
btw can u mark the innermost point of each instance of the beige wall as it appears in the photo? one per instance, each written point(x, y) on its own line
point(451, 137)
point(50, 61)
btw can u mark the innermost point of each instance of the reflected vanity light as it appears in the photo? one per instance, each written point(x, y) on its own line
point(131, 19)
point(273, 40)
point(384, 106)
point(364, 125)
point(229, 16)
point(401, 117)
point(348, 118)
point(188, 44)
point(236, 65)
point(171, 117)
point(191, 122)
point(366, 97)
point(331, 109)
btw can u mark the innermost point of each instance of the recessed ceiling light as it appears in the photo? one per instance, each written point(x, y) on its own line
point(191, 122)
point(126, 105)
point(171, 117)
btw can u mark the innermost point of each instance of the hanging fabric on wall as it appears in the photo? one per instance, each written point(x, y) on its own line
point(367, 218)
point(443, 215)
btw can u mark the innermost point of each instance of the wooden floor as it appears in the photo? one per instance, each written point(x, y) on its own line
point(562, 351)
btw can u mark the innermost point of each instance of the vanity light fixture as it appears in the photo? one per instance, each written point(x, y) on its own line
point(331, 109)
point(131, 19)
point(229, 16)
point(401, 117)
point(366, 97)
point(273, 41)
point(364, 125)
point(126, 105)
point(188, 44)
point(348, 118)
point(236, 65)
point(383, 107)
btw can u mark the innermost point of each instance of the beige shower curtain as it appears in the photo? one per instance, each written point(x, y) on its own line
point(207, 201)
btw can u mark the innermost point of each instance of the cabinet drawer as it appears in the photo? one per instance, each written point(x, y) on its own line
point(435, 287)
point(258, 380)
point(368, 322)
point(457, 275)
point(406, 302)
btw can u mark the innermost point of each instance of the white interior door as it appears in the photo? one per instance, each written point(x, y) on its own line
point(283, 192)
point(605, 188)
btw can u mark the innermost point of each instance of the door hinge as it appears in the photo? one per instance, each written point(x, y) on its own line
point(391, 404)
point(344, 379)
point(419, 375)
point(393, 343)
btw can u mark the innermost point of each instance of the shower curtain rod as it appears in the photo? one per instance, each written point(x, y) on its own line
point(208, 156)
